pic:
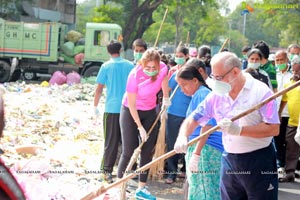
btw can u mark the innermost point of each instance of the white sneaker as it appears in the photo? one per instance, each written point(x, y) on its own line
point(281, 170)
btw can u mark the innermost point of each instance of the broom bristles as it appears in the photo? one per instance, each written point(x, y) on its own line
point(156, 171)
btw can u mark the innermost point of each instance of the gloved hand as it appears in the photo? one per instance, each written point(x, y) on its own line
point(181, 144)
point(193, 164)
point(166, 102)
point(96, 111)
point(143, 134)
point(230, 127)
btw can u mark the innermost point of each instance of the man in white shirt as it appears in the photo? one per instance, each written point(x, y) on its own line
point(248, 168)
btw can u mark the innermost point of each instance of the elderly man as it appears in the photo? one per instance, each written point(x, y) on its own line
point(292, 99)
point(283, 76)
point(248, 166)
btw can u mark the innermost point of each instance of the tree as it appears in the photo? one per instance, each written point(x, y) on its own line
point(9, 9)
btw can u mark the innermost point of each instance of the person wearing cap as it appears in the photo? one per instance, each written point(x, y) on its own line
point(272, 58)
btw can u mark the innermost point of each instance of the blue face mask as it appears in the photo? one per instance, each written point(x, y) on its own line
point(179, 61)
point(150, 73)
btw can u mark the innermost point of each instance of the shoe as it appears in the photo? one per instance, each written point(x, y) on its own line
point(281, 170)
point(106, 177)
point(144, 194)
point(169, 181)
point(297, 175)
point(286, 179)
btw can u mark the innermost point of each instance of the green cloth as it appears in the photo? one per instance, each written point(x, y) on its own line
point(205, 184)
point(271, 71)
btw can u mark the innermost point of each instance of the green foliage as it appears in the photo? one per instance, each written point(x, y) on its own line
point(279, 27)
point(211, 27)
point(200, 20)
point(8, 9)
point(237, 41)
point(109, 14)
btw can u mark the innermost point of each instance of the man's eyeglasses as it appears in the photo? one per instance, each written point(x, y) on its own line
point(219, 78)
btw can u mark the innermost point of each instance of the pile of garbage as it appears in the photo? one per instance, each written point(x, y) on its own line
point(52, 140)
point(73, 48)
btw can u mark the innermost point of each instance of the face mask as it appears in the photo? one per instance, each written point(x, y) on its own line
point(179, 61)
point(150, 73)
point(291, 57)
point(137, 56)
point(221, 88)
point(253, 65)
point(245, 56)
point(281, 66)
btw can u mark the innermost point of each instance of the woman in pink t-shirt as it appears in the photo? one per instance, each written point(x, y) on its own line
point(138, 113)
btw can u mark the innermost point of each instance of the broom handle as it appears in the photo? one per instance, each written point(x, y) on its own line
point(160, 28)
point(163, 109)
point(224, 44)
point(171, 153)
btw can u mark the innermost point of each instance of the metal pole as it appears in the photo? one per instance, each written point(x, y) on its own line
point(244, 26)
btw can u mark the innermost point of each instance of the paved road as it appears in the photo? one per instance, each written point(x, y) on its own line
point(287, 191)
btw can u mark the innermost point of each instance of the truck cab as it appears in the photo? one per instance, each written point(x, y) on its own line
point(97, 37)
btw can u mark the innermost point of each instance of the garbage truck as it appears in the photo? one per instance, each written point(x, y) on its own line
point(35, 50)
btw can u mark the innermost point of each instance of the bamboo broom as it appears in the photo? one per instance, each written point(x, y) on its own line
point(102, 189)
point(160, 147)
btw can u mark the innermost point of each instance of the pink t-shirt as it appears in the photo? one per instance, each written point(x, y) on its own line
point(146, 89)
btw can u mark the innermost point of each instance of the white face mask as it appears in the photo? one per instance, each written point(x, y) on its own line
point(221, 88)
point(253, 65)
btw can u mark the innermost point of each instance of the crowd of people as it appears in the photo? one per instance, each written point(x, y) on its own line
point(242, 159)
point(209, 90)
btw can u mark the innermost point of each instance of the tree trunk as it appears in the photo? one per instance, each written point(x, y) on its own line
point(140, 18)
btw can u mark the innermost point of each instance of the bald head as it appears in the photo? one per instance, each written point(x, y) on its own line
point(227, 60)
point(281, 53)
point(281, 58)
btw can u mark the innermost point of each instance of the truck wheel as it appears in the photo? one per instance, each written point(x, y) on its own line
point(91, 71)
point(4, 71)
point(29, 75)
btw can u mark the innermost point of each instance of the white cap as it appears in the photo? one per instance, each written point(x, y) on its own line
point(271, 57)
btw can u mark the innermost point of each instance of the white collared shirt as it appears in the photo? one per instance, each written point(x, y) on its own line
point(219, 107)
